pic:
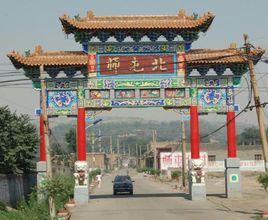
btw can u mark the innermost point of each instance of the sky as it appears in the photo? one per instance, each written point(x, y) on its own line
point(26, 23)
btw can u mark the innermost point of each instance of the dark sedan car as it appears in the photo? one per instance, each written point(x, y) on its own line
point(123, 184)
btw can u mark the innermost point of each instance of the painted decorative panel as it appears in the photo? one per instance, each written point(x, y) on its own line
point(174, 93)
point(212, 100)
point(149, 93)
point(125, 94)
point(210, 82)
point(114, 65)
point(62, 102)
point(211, 94)
point(171, 82)
point(99, 94)
point(141, 47)
point(131, 103)
point(137, 103)
point(179, 102)
point(136, 83)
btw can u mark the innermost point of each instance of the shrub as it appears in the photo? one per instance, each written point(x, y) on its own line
point(139, 170)
point(263, 180)
point(149, 170)
point(30, 210)
point(93, 174)
point(3, 206)
point(175, 174)
point(61, 188)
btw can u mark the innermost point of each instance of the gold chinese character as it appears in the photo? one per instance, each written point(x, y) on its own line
point(159, 63)
point(113, 64)
point(135, 66)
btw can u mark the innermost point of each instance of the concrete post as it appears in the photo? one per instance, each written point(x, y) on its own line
point(197, 187)
point(233, 187)
point(81, 189)
point(41, 166)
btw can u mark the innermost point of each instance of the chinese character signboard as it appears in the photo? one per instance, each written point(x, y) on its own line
point(130, 64)
point(174, 159)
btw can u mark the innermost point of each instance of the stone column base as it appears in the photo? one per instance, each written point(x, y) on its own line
point(197, 186)
point(233, 187)
point(197, 191)
point(81, 195)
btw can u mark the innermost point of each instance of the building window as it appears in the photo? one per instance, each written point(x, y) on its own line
point(258, 157)
point(211, 157)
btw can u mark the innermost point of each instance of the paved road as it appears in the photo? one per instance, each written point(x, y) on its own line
point(151, 200)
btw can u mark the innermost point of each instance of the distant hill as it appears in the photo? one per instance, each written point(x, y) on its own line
point(132, 131)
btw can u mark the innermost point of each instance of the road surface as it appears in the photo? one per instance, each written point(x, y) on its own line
point(151, 201)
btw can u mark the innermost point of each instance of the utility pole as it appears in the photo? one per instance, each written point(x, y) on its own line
point(111, 145)
point(100, 147)
point(259, 108)
point(139, 156)
point(118, 150)
point(51, 202)
point(93, 148)
point(111, 152)
point(124, 144)
point(183, 152)
point(93, 141)
point(154, 135)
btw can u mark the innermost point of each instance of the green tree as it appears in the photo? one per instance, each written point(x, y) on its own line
point(249, 136)
point(18, 142)
point(70, 138)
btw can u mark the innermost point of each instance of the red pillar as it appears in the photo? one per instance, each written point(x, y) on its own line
point(81, 135)
point(42, 150)
point(231, 134)
point(194, 127)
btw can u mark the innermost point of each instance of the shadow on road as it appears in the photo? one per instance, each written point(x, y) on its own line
point(219, 195)
point(154, 195)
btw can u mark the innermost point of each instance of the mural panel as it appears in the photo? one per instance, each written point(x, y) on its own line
point(174, 93)
point(212, 100)
point(149, 93)
point(99, 94)
point(62, 102)
point(125, 94)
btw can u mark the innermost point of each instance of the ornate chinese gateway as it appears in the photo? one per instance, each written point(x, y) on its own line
point(139, 61)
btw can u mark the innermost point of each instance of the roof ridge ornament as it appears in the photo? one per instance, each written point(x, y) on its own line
point(38, 50)
point(233, 45)
point(182, 14)
point(90, 14)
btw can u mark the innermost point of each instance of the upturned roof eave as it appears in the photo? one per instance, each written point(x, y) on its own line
point(71, 24)
point(78, 58)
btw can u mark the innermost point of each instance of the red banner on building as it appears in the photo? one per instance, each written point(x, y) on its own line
point(116, 64)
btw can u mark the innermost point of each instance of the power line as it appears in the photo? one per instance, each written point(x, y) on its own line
point(225, 124)
point(169, 63)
